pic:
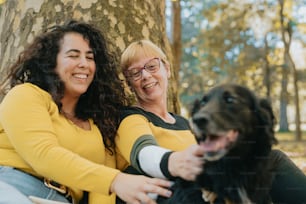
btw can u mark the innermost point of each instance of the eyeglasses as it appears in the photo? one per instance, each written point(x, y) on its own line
point(151, 66)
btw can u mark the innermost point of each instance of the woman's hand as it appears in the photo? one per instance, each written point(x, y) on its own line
point(188, 163)
point(134, 189)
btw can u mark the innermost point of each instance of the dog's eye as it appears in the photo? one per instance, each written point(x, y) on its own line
point(229, 98)
point(203, 101)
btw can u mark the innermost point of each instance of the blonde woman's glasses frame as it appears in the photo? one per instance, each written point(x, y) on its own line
point(152, 66)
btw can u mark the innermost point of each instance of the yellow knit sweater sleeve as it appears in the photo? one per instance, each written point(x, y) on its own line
point(37, 139)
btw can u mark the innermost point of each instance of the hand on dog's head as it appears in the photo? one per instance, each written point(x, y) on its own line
point(237, 130)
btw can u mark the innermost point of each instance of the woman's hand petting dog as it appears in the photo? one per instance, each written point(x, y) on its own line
point(138, 192)
point(187, 164)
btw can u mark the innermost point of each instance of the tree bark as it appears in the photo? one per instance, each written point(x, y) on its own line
point(176, 43)
point(122, 21)
point(283, 118)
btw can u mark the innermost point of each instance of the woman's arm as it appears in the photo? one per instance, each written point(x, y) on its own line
point(138, 145)
point(47, 145)
point(26, 115)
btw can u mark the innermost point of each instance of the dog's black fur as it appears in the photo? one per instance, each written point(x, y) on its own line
point(239, 170)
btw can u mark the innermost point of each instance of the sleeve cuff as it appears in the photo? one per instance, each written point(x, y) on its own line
point(164, 166)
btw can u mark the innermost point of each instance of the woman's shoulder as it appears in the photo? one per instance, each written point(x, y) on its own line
point(180, 121)
point(28, 87)
point(131, 110)
point(25, 96)
point(27, 91)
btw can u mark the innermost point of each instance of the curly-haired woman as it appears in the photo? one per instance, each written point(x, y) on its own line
point(59, 119)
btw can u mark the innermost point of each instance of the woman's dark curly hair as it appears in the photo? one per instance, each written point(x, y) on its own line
point(104, 97)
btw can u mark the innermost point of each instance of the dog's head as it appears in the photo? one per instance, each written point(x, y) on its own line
point(231, 119)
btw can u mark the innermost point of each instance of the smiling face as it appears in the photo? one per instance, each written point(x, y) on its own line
point(75, 64)
point(150, 87)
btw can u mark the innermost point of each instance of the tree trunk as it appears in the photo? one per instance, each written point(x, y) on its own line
point(267, 70)
point(283, 118)
point(286, 30)
point(122, 21)
point(176, 42)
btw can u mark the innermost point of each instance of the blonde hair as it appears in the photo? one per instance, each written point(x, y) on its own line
point(138, 50)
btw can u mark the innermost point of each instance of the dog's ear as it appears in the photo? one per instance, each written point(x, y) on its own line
point(266, 105)
point(267, 118)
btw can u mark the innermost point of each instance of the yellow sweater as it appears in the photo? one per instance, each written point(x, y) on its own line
point(35, 138)
point(140, 128)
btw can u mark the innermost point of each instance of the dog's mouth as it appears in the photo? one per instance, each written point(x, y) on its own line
point(218, 144)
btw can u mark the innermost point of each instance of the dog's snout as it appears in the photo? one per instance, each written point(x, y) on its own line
point(200, 120)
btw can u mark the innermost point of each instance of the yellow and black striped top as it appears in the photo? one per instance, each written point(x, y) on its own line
point(139, 128)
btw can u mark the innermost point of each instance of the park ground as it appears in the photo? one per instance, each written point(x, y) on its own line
point(296, 150)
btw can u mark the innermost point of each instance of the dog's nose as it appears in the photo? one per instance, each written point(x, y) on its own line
point(200, 120)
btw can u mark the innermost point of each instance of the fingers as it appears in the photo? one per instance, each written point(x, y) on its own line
point(193, 176)
point(157, 186)
point(195, 162)
point(195, 156)
point(136, 189)
point(187, 164)
point(191, 173)
point(198, 150)
point(161, 182)
point(151, 189)
point(143, 198)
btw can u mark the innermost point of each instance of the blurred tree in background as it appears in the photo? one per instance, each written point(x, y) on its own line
point(260, 44)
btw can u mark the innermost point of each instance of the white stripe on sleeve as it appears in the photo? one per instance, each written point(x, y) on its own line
point(149, 160)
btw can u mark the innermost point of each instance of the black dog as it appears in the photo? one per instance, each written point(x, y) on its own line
point(237, 130)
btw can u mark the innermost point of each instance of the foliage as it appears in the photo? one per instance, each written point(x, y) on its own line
point(237, 41)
